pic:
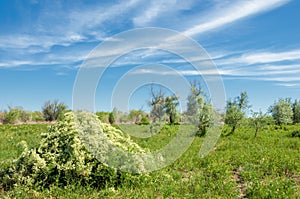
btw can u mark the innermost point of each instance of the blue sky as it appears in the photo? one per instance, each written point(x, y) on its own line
point(254, 44)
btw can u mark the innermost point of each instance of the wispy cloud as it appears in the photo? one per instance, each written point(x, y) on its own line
point(259, 57)
point(235, 12)
point(67, 28)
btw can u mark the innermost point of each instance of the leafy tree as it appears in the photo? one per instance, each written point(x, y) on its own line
point(199, 109)
point(12, 116)
point(157, 104)
point(53, 110)
point(171, 103)
point(258, 121)
point(103, 116)
point(296, 112)
point(193, 99)
point(282, 111)
point(37, 116)
point(205, 116)
point(112, 117)
point(145, 121)
point(136, 115)
point(236, 110)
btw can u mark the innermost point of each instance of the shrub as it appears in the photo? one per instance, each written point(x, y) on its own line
point(37, 116)
point(296, 133)
point(2, 117)
point(62, 157)
point(103, 116)
point(145, 121)
point(112, 118)
point(53, 110)
point(12, 116)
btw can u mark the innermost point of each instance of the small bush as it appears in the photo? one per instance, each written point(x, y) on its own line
point(145, 121)
point(112, 118)
point(296, 133)
point(37, 116)
point(53, 110)
point(12, 116)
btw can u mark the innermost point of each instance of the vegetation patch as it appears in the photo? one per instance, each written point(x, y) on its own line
point(62, 159)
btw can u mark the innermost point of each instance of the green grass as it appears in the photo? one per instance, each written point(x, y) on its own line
point(267, 166)
point(12, 135)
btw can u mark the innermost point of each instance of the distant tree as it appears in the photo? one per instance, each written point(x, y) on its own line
point(53, 110)
point(157, 105)
point(205, 116)
point(171, 103)
point(193, 99)
point(282, 111)
point(112, 116)
point(37, 116)
point(236, 110)
point(199, 109)
point(12, 116)
point(136, 115)
point(296, 112)
point(258, 121)
point(103, 116)
point(145, 121)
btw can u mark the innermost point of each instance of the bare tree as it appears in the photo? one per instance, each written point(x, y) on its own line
point(52, 110)
point(157, 104)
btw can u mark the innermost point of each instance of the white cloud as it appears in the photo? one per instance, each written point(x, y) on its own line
point(288, 85)
point(153, 11)
point(268, 57)
point(67, 27)
point(236, 12)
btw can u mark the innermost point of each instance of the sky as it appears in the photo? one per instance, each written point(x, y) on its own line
point(254, 45)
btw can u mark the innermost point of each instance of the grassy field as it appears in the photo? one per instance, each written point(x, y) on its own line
point(240, 165)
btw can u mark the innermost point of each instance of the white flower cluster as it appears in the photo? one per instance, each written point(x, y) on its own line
point(73, 150)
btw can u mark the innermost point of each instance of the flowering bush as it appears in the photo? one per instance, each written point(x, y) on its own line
point(64, 155)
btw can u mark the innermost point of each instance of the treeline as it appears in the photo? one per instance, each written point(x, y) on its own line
point(50, 111)
point(164, 109)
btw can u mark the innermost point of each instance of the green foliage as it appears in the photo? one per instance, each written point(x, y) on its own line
point(62, 159)
point(157, 104)
point(53, 110)
point(2, 117)
point(199, 110)
point(258, 121)
point(135, 116)
point(282, 111)
point(296, 112)
point(145, 121)
point(37, 116)
point(235, 111)
point(296, 133)
point(238, 166)
point(18, 115)
point(193, 99)
point(12, 116)
point(112, 117)
point(205, 116)
point(171, 103)
point(103, 116)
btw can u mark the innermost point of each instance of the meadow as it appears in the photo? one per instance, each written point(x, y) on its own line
point(239, 166)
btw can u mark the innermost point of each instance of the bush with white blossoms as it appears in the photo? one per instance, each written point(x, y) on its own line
point(68, 153)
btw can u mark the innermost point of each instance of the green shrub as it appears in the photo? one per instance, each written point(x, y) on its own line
point(296, 133)
point(103, 116)
point(145, 121)
point(62, 158)
point(2, 117)
point(12, 116)
point(37, 116)
point(112, 118)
